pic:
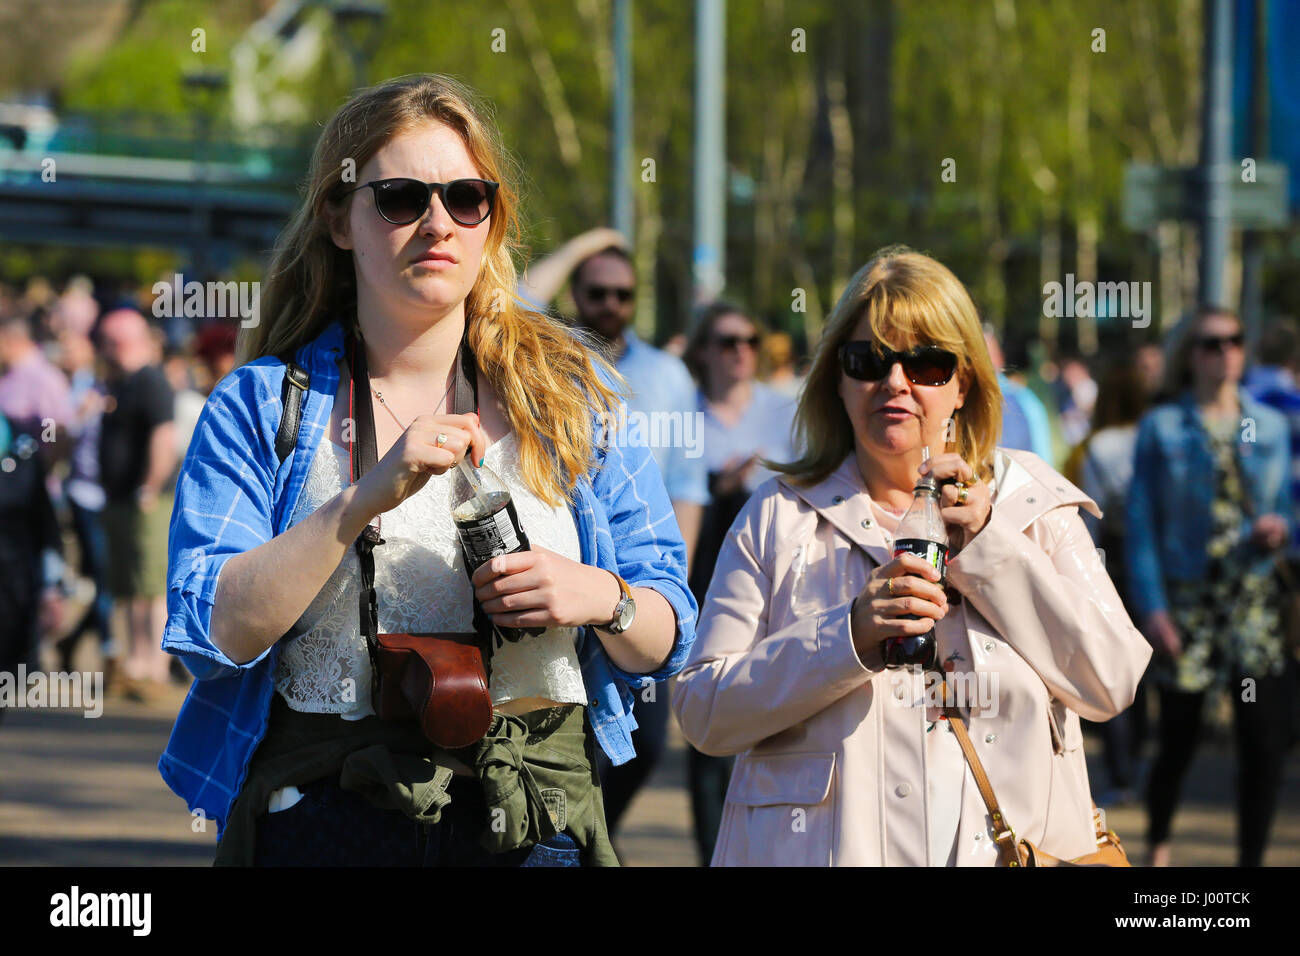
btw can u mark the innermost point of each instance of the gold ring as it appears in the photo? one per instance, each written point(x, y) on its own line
point(440, 440)
point(891, 587)
point(962, 495)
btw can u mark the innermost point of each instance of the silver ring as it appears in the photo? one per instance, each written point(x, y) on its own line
point(440, 440)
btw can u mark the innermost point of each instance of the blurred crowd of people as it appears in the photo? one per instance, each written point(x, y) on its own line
point(97, 406)
point(96, 413)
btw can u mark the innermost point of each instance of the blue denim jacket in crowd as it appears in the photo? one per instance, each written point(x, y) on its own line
point(1173, 485)
point(233, 494)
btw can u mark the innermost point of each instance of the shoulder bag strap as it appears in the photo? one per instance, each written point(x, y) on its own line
point(1005, 837)
point(296, 382)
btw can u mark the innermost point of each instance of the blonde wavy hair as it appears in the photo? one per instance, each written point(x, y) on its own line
point(909, 299)
point(545, 373)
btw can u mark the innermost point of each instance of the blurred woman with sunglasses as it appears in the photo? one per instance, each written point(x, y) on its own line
point(1208, 508)
point(398, 270)
point(744, 421)
point(843, 760)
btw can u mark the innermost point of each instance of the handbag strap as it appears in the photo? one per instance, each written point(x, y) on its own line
point(363, 455)
point(1006, 839)
point(1005, 836)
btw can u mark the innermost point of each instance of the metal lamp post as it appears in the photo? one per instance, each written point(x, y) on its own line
point(202, 88)
point(358, 25)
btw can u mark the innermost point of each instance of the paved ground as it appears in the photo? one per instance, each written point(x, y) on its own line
point(86, 792)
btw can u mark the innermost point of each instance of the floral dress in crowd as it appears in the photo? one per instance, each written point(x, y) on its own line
point(1231, 618)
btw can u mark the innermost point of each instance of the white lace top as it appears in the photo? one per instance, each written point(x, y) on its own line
point(422, 586)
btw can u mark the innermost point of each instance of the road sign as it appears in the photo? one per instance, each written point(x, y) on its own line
point(1154, 194)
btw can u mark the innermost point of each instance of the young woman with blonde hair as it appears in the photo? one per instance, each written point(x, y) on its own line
point(843, 760)
point(397, 273)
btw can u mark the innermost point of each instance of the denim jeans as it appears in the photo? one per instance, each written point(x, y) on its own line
point(94, 565)
point(331, 826)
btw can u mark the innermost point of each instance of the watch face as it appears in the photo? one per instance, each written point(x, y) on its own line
point(626, 614)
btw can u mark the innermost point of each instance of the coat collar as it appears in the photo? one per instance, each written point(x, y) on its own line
point(1024, 489)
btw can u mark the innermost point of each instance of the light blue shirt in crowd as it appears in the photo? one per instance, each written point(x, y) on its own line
point(1035, 415)
point(663, 414)
point(764, 430)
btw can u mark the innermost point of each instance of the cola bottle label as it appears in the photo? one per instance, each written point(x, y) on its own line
point(919, 651)
point(932, 552)
point(484, 536)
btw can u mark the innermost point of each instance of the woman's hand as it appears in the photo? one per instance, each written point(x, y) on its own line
point(540, 588)
point(906, 585)
point(416, 456)
point(1269, 531)
point(50, 616)
point(1163, 634)
point(964, 520)
point(734, 474)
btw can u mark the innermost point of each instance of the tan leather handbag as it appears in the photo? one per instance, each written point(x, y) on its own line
point(1013, 851)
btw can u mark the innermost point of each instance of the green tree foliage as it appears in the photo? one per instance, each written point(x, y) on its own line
point(841, 121)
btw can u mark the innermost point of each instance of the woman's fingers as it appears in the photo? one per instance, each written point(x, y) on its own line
point(463, 438)
point(900, 607)
point(908, 563)
point(445, 454)
point(911, 585)
point(949, 465)
point(885, 626)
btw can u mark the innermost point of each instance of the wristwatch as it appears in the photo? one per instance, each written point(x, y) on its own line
point(624, 611)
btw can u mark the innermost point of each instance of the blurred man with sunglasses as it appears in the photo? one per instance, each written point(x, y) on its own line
point(603, 283)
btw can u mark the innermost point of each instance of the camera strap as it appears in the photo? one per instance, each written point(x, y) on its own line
point(363, 455)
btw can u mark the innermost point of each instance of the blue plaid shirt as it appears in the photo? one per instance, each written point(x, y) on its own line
point(233, 494)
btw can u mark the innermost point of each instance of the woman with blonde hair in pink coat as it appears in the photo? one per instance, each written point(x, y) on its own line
point(843, 760)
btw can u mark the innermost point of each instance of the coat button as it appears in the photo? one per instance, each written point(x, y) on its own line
point(1029, 501)
point(979, 836)
point(903, 789)
point(837, 500)
point(988, 645)
point(989, 738)
point(866, 522)
point(595, 703)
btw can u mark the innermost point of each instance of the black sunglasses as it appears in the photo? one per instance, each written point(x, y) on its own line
point(1220, 343)
point(729, 342)
point(923, 365)
point(402, 201)
point(599, 293)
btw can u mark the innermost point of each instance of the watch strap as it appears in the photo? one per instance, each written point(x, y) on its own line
point(626, 595)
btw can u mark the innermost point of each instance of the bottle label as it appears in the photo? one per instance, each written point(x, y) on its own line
point(485, 538)
point(931, 551)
